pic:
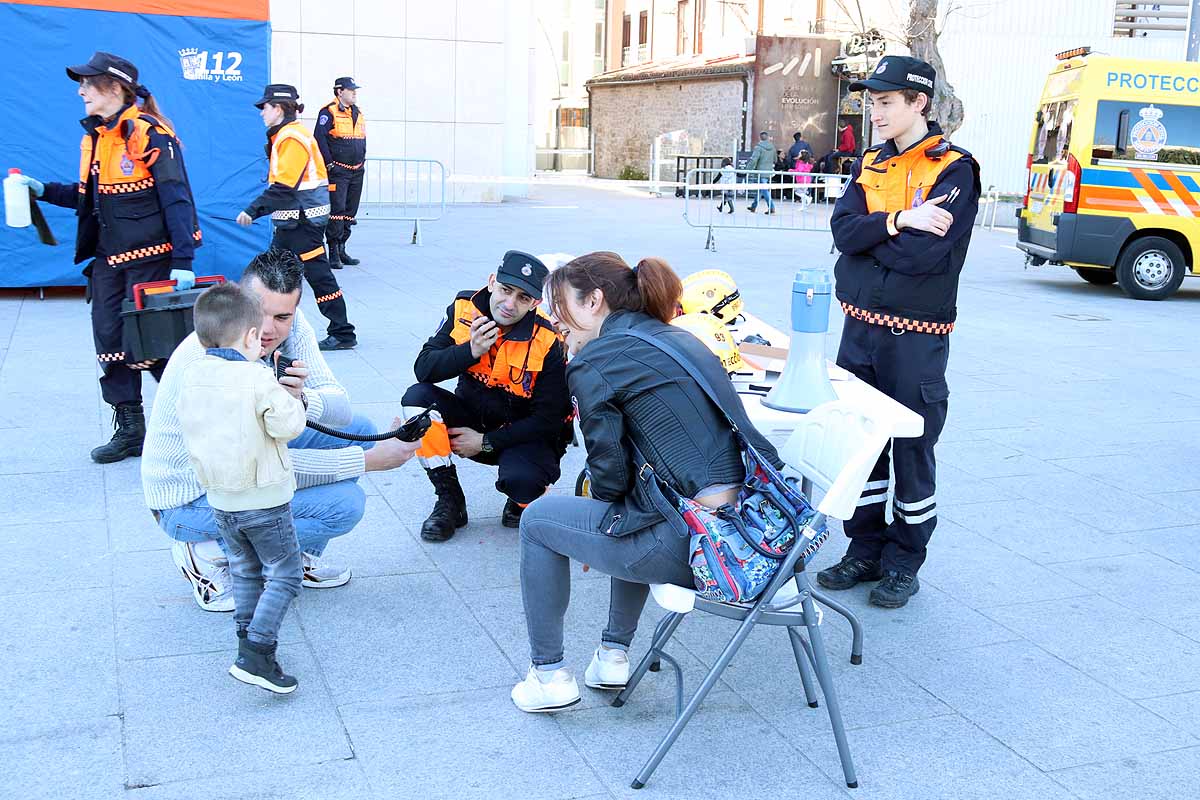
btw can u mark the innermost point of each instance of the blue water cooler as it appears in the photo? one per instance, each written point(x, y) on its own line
point(804, 384)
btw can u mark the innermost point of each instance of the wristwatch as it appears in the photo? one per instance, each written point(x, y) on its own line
point(486, 446)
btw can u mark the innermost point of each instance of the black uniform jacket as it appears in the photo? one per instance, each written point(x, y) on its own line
point(913, 274)
point(525, 405)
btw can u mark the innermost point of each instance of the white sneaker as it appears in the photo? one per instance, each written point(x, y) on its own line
point(212, 588)
point(560, 692)
point(609, 669)
point(321, 574)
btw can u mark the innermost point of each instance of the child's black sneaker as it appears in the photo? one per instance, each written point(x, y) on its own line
point(256, 665)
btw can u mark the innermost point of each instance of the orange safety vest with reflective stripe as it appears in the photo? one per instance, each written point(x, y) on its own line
point(347, 136)
point(511, 365)
point(119, 158)
point(897, 182)
point(296, 161)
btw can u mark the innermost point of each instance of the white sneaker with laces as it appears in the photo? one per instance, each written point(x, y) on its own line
point(212, 588)
point(609, 669)
point(559, 692)
point(322, 574)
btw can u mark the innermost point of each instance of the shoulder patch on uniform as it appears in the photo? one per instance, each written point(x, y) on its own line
point(324, 120)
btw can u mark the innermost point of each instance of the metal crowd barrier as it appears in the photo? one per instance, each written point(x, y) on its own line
point(404, 189)
point(803, 201)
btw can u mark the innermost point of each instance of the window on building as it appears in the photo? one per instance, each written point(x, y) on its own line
point(1147, 132)
point(625, 31)
point(565, 55)
point(681, 31)
point(598, 54)
point(573, 117)
point(643, 27)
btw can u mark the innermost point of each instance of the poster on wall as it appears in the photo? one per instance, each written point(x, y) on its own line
point(205, 62)
point(794, 90)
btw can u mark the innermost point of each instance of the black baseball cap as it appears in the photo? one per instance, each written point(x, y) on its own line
point(276, 92)
point(523, 271)
point(893, 73)
point(102, 63)
point(345, 83)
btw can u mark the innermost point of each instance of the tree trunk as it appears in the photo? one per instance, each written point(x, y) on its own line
point(922, 36)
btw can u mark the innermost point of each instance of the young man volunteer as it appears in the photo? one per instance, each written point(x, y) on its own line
point(903, 226)
point(510, 408)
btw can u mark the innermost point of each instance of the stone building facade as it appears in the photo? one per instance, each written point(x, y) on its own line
point(705, 103)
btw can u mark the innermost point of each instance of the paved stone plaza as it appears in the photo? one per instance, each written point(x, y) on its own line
point(1054, 649)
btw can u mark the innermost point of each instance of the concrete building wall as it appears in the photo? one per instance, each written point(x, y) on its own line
point(444, 80)
point(710, 110)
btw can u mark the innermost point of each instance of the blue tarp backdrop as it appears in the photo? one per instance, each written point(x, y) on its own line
point(205, 73)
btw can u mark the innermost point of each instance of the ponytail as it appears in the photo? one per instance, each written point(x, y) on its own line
point(651, 287)
point(130, 95)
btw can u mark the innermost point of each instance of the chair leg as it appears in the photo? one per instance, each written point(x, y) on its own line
point(799, 645)
point(821, 667)
point(662, 634)
point(710, 680)
point(856, 647)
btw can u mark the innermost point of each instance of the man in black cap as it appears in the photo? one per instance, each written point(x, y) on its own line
point(903, 226)
point(342, 136)
point(511, 406)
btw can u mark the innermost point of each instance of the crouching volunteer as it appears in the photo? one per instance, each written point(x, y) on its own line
point(328, 501)
point(510, 407)
point(137, 223)
point(628, 392)
point(903, 226)
point(297, 198)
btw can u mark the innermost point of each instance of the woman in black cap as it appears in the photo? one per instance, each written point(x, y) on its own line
point(137, 223)
point(297, 198)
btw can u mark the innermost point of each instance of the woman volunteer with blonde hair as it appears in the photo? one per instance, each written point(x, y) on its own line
point(137, 223)
point(628, 394)
point(297, 198)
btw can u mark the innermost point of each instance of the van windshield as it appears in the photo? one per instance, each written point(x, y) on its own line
point(1055, 120)
point(1141, 131)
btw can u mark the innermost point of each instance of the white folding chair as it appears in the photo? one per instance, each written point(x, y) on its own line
point(834, 447)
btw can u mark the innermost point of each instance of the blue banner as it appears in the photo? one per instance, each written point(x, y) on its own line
point(204, 73)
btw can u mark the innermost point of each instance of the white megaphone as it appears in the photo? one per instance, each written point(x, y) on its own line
point(804, 384)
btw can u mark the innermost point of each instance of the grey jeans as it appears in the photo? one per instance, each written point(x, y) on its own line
point(556, 529)
point(264, 562)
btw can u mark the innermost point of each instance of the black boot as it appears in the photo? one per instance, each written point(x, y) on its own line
point(335, 256)
point(894, 590)
point(346, 259)
point(511, 518)
point(848, 572)
point(450, 511)
point(256, 665)
point(130, 422)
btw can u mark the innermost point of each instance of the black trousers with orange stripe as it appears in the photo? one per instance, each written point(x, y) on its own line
point(308, 242)
point(108, 287)
point(345, 192)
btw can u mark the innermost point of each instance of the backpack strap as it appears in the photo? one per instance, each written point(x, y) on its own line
point(689, 366)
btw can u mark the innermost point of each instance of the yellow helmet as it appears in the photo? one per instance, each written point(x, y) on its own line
point(711, 291)
point(715, 336)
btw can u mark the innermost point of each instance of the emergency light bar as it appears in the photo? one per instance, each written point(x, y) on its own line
point(1078, 51)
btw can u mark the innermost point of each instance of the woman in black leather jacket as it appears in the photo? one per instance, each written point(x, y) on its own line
point(627, 394)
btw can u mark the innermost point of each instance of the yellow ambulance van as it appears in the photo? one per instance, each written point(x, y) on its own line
point(1113, 173)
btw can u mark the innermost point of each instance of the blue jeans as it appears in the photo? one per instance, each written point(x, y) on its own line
point(264, 561)
point(556, 529)
point(320, 512)
point(764, 193)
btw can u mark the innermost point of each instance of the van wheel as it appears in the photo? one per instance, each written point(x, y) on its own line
point(1151, 268)
point(1100, 277)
